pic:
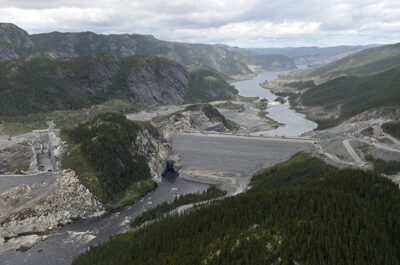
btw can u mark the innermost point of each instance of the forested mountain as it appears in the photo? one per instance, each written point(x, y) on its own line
point(356, 94)
point(38, 84)
point(222, 58)
point(299, 212)
point(369, 61)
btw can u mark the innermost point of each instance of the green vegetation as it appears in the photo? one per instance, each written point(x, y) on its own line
point(207, 85)
point(363, 63)
point(355, 94)
point(213, 115)
point(162, 209)
point(102, 152)
point(392, 129)
point(384, 167)
point(302, 211)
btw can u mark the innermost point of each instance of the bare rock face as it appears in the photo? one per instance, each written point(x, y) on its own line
point(163, 83)
point(14, 42)
point(156, 151)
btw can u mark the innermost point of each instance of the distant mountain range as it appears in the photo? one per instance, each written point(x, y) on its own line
point(16, 43)
point(312, 55)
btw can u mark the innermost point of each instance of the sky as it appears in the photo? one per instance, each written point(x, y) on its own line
point(243, 23)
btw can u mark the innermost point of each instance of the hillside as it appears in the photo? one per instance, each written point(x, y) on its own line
point(299, 212)
point(356, 94)
point(363, 63)
point(40, 85)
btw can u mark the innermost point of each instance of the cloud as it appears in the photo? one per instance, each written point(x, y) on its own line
point(240, 22)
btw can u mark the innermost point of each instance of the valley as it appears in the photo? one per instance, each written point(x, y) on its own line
point(111, 145)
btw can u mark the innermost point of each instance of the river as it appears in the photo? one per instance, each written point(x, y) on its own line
point(295, 124)
point(67, 242)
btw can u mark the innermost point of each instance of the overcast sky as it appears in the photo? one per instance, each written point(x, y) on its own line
point(245, 23)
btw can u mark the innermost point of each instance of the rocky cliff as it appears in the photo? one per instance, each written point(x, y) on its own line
point(41, 85)
point(14, 42)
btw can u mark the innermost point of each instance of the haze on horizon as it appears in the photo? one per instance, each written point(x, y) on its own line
point(244, 23)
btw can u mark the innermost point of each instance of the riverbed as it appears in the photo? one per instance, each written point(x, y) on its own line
point(293, 123)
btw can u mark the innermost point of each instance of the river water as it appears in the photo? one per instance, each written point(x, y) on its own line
point(295, 124)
